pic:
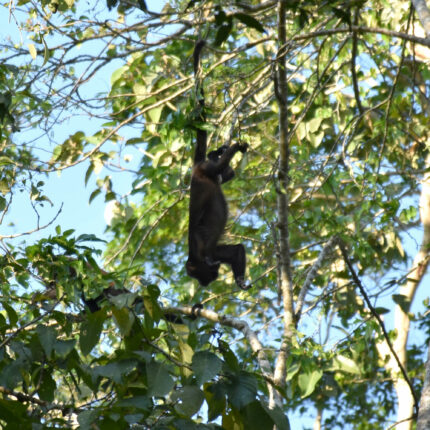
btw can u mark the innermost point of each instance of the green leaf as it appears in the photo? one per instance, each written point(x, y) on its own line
point(186, 350)
point(115, 371)
point(89, 238)
point(14, 413)
point(223, 32)
point(229, 357)
point(160, 383)
point(250, 21)
point(3, 203)
point(88, 173)
point(308, 381)
point(189, 398)
point(255, 417)
point(242, 389)
point(4, 188)
point(278, 416)
point(117, 74)
point(215, 395)
point(402, 301)
point(87, 418)
point(64, 347)
point(152, 307)
point(124, 320)
point(91, 330)
point(408, 215)
point(47, 338)
point(154, 116)
point(345, 364)
point(11, 375)
point(47, 387)
point(314, 124)
point(124, 300)
point(293, 370)
point(11, 314)
point(46, 53)
point(33, 51)
point(94, 194)
point(206, 365)
point(138, 402)
point(4, 160)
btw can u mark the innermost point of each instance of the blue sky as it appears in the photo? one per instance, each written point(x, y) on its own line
point(66, 189)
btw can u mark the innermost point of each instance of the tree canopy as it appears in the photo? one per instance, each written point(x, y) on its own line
point(332, 202)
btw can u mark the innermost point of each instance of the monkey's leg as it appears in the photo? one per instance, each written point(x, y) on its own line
point(235, 256)
point(212, 235)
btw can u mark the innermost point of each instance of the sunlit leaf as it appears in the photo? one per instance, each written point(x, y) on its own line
point(33, 51)
point(345, 364)
point(124, 319)
point(308, 381)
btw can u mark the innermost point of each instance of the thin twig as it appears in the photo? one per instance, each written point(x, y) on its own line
point(381, 324)
point(354, 54)
point(27, 233)
point(312, 274)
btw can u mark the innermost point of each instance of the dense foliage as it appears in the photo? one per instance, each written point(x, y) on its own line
point(119, 76)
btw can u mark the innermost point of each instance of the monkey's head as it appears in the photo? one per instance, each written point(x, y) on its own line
point(201, 271)
point(215, 155)
point(228, 172)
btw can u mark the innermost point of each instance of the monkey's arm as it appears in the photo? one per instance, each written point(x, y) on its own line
point(213, 168)
point(200, 152)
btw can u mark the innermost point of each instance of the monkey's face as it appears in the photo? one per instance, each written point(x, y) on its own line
point(201, 271)
point(228, 172)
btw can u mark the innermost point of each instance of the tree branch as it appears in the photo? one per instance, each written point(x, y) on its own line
point(423, 15)
point(38, 228)
point(312, 274)
point(31, 399)
point(243, 327)
point(353, 65)
point(285, 282)
point(423, 422)
point(361, 30)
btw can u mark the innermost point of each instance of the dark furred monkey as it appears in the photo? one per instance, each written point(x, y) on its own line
point(208, 207)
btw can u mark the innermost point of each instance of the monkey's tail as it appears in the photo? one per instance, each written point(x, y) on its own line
point(196, 55)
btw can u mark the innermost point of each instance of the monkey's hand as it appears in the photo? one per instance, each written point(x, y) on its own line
point(242, 147)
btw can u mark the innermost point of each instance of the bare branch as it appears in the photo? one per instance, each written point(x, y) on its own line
point(354, 54)
point(38, 228)
point(312, 274)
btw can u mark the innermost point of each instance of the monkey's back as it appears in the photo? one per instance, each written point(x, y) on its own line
point(208, 207)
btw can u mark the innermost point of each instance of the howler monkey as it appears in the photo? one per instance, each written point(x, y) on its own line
point(208, 208)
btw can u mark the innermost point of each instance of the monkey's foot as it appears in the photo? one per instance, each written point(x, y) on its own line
point(195, 310)
point(240, 282)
